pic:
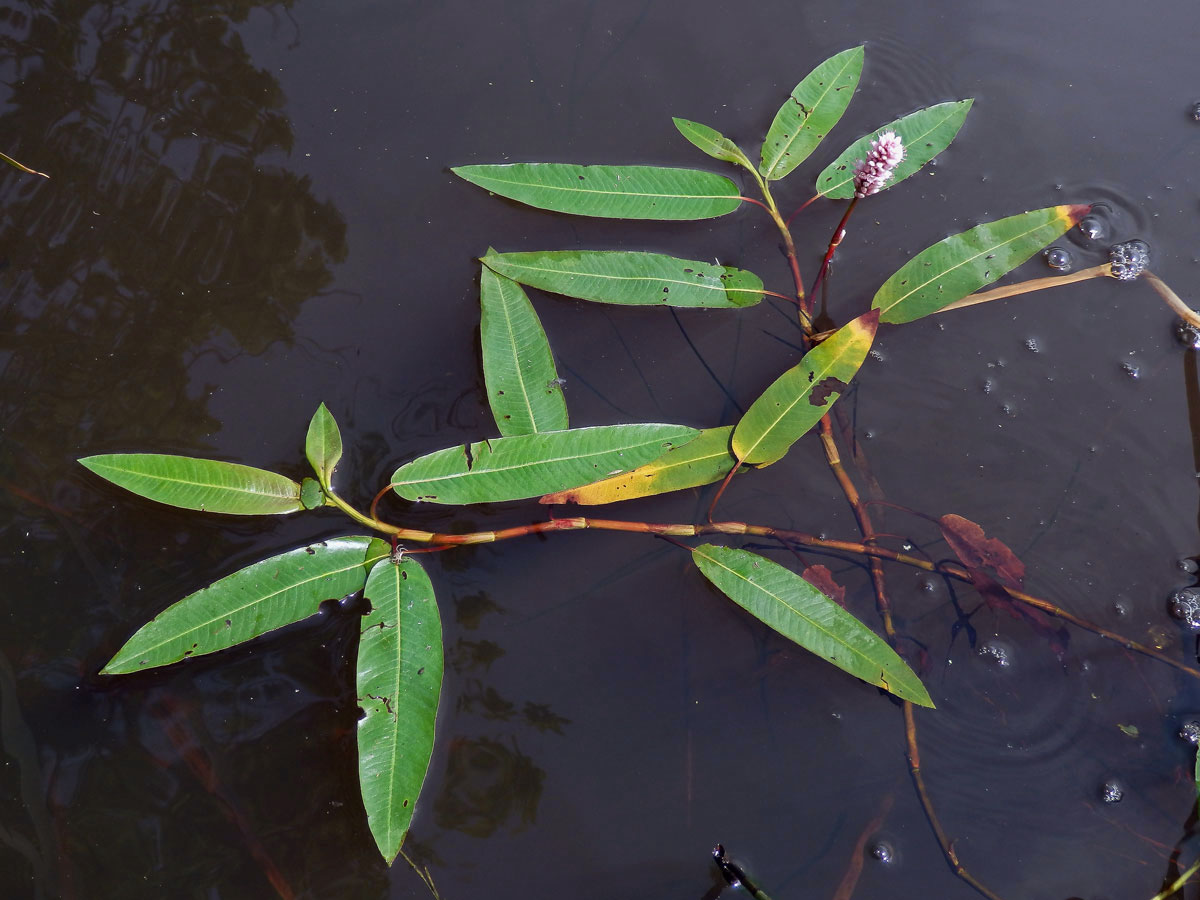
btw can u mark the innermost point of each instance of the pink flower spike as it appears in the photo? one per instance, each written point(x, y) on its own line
point(872, 173)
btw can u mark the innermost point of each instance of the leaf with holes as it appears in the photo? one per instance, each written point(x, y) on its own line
point(259, 598)
point(815, 106)
point(399, 679)
point(522, 384)
point(925, 134)
point(631, 278)
point(323, 445)
point(802, 394)
point(529, 465)
point(787, 603)
point(712, 142)
point(613, 192)
point(207, 485)
point(963, 263)
point(698, 462)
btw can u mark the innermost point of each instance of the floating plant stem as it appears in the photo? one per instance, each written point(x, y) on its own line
point(1173, 300)
point(1026, 287)
point(12, 162)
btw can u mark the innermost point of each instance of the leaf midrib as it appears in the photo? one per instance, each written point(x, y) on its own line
point(512, 343)
point(229, 613)
point(525, 465)
point(770, 173)
point(648, 278)
point(945, 272)
point(816, 379)
point(577, 190)
point(204, 484)
point(814, 625)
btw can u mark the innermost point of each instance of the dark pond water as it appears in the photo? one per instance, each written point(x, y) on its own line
point(250, 213)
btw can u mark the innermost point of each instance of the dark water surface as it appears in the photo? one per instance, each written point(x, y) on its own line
point(250, 212)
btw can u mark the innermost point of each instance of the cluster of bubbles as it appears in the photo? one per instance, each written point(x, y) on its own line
point(883, 852)
point(1129, 260)
point(1190, 731)
point(1188, 335)
point(997, 652)
point(1111, 791)
point(1184, 605)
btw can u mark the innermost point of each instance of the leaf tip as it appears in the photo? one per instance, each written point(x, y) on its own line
point(1073, 212)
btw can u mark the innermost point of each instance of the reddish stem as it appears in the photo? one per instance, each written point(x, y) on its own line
point(803, 207)
point(755, 202)
point(838, 234)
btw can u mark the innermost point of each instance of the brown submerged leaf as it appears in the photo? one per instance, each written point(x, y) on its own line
point(978, 551)
point(822, 579)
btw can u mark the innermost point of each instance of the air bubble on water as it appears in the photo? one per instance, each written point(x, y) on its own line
point(1187, 564)
point(1059, 259)
point(1120, 608)
point(1031, 345)
point(1008, 409)
point(1190, 731)
point(869, 435)
point(906, 546)
point(996, 651)
point(875, 354)
point(1184, 605)
point(1195, 111)
point(1092, 227)
point(882, 851)
point(987, 385)
point(1188, 335)
point(1130, 369)
point(1111, 791)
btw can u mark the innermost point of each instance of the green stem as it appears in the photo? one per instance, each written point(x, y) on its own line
point(1179, 882)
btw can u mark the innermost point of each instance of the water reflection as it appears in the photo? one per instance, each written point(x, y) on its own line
point(170, 228)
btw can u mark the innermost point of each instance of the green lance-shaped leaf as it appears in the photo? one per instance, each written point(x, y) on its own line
point(802, 394)
point(712, 142)
point(787, 603)
point(323, 446)
point(925, 134)
point(630, 277)
point(259, 598)
point(204, 484)
point(701, 461)
point(399, 682)
point(815, 106)
point(529, 465)
point(962, 263)
point(613, 192)
point(522, 384)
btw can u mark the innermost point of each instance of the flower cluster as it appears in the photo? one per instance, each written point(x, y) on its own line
point(872, 173)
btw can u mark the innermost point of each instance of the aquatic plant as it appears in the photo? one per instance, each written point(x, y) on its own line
point(538, 456)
